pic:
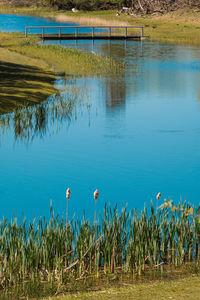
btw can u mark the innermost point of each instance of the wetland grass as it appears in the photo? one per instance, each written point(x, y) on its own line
point(181, 26)
point(29, 69)
point(24, 81)
point(65, 60)
point(48, 257)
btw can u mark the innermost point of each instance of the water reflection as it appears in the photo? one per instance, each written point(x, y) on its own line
point(166, 71)
point(144, 135)
point(115, 88)
point(45, 118)
point(115, 93)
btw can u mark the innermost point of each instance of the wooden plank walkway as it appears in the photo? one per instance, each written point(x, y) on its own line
point(87, 32)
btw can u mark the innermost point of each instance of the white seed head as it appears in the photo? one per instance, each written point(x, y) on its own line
point(158, 196)
point(68, 192)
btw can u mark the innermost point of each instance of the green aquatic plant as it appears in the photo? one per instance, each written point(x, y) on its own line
point(47, 253)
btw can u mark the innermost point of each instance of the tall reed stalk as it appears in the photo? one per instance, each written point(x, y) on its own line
point(49, 253)
point(68, 192)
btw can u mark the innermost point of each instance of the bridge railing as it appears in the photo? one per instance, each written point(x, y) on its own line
point(78, 31)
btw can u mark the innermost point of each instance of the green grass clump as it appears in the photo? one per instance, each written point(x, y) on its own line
point(28, 69)
point(46, 256)
point(61, 59)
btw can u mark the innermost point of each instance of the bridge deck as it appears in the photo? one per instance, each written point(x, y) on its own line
point(87, 32)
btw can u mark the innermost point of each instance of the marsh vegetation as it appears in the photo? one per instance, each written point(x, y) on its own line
point(55, 255)
point(179, 26)
point(28, 69)
point(49, 256)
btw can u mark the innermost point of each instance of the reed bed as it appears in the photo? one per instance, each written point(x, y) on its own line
point(58, 251)
point(62, 60)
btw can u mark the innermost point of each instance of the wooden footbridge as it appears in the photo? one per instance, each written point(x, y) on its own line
point(87, 32)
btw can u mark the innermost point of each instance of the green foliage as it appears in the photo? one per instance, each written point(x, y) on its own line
point(55, 253)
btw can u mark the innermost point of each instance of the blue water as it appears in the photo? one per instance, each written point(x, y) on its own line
point(15, 23)
point(131, 136)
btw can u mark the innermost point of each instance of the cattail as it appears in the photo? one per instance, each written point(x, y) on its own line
point(68, 192)
point(158, 196)
point(96, 194)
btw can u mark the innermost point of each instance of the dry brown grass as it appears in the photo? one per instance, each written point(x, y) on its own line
point(88, 20)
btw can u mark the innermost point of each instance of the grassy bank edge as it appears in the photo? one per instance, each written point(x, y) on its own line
point(24, 80)
point(20, 57)
point(186, 288)
point(182, 26)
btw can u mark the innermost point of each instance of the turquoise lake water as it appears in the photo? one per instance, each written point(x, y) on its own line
point(131, 136)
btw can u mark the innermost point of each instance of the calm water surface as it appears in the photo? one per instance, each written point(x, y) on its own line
point(131, 136)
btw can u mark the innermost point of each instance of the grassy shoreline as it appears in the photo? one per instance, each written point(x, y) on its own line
point(41, 64)
point(28, 69)
point(24, 81)
point(184, 289)
point(58, 256)
point(182, 26)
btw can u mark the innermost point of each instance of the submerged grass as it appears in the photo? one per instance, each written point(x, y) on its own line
point(58, 255)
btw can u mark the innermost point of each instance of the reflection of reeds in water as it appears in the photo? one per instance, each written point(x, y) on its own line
point(46, 117)
point(49, 253)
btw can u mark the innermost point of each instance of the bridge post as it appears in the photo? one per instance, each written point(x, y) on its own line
point(26, 32)
point(59, 32)
point(92, 31)
point(42, 32)
point(125, 32)
point(142, 31)
point(109, 31)
point(76, 32)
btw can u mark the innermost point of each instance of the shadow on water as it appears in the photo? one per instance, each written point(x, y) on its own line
point(22, 85)
point(45, 118)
